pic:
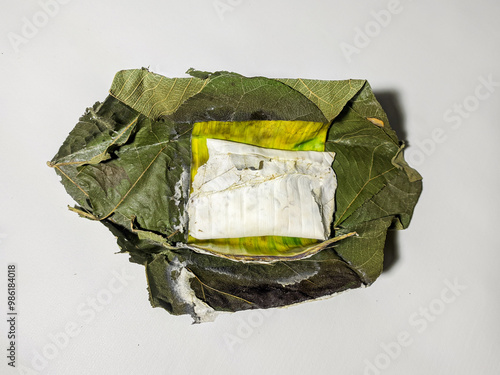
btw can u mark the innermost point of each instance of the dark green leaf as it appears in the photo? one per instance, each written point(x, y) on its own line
point(231, 97)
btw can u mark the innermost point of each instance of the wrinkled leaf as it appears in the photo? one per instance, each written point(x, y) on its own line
point(232, 97)
point(226, 285)
point(329, 96)
point(151, 94)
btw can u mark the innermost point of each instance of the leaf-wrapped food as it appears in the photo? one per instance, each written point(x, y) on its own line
point(130, 162)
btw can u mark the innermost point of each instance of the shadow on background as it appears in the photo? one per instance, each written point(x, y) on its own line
point(390, 103)
point(391, 252)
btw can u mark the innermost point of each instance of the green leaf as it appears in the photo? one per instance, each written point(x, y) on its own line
point(145, 178)
point(226, 285)
point(151, 94)
point(232, 97)
point(329, 96)
point(365, 253)
point(376, 187)
point(366, 105)
point(392, 205)
point(397, 199)
point(134, 182)
point(95, 135)
point(364, 154)
point(101, 130)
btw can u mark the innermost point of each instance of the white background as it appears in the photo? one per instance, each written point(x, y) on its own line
point(430, 55)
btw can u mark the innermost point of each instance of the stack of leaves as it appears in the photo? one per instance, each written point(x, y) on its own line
point(128, 164)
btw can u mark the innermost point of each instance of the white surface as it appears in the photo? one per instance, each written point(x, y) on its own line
point(432, 55)
point(246, 191)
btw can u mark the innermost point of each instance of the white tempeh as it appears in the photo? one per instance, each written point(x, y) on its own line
point(246, 191)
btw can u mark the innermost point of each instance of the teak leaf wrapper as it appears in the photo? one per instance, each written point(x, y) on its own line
point(127, 163)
